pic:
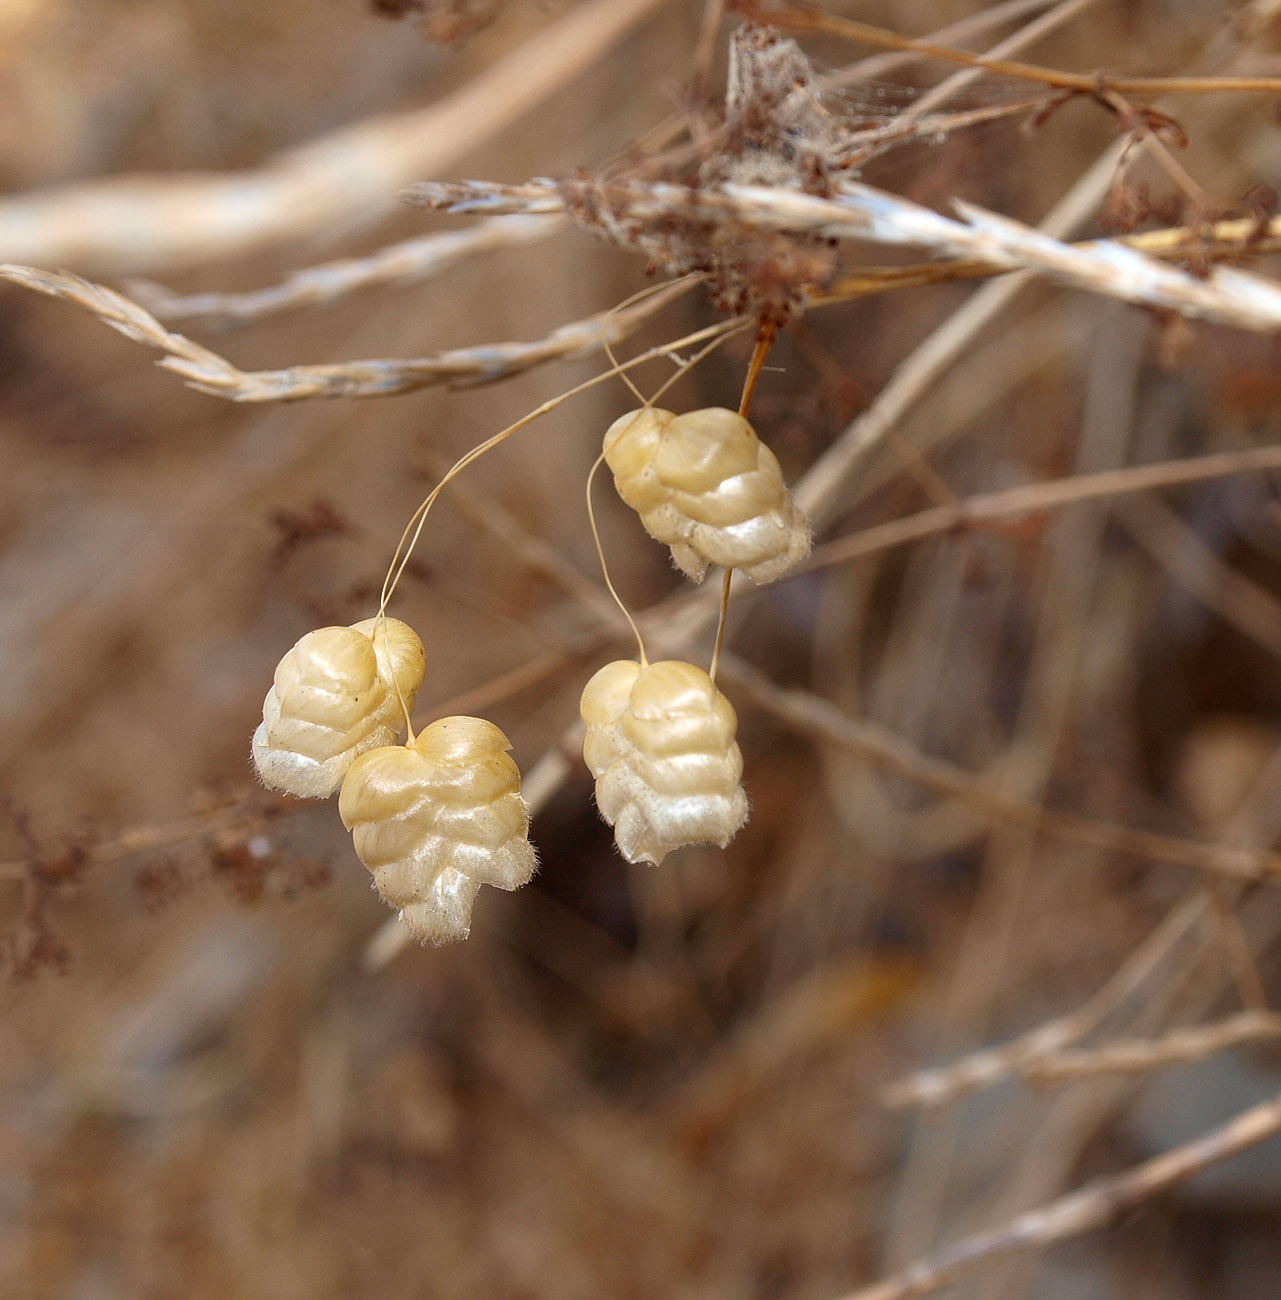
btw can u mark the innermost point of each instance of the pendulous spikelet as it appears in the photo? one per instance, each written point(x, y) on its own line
point(704, 484)
point(436, 819)
point(660, 743)
point(338, 692)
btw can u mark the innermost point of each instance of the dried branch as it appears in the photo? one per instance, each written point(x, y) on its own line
point(1250, 607)
point(1097, 1205)
point(161, 835)
point(209, 373)
point(989, 1065)
point(788, 17)
point(974, 25)
point(408, 262)
point(815, 716)
point(879, 143)
point(1221, 241)
point(831, 484)
point(1014, 503)
point(1137, 1056)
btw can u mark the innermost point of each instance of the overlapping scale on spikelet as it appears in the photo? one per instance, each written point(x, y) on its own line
point(660, 743)
point(704, 484)
point(436, 819)
point(336, 694)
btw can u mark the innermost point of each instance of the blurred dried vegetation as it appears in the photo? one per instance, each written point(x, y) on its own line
point(1002, 919)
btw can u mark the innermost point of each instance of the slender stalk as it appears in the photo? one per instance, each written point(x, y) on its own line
point(764, 341)
point(781, 14)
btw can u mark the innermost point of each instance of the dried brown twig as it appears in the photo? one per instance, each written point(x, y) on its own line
point(1056, 12)
point(1096, 1205)
point(791, 17)
point(1019, 502)
point(1115, 268)
point(945, 1084)
point(1138, 1056)
point(815, 716)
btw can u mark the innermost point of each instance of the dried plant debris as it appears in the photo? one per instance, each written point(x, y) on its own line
point(776, 132)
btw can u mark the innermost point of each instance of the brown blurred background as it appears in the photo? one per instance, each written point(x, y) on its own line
point(628, 1082)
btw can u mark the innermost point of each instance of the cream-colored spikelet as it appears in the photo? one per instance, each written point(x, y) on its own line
point(436, 819)
point(337, 693)
point(708, 487)
point(660, 743)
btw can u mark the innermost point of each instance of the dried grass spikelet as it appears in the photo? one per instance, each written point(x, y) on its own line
point(436, 819)
point(336, 694)
point(660, 743)
point(708, 487)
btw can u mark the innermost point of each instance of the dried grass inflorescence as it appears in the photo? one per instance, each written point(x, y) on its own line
point(338, 692)
point(660, 743)
point(704, 484)
point(436, 819)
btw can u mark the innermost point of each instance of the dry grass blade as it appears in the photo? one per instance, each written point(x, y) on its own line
point(1138, 1056)
point(209, 373)
point(1221, 240)
point(408, 262)
point(1096, 1205)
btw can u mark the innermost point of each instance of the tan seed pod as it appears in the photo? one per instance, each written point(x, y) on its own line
point(436, 819)
point(336, 694)
point(660, 743)
point(705, 485)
